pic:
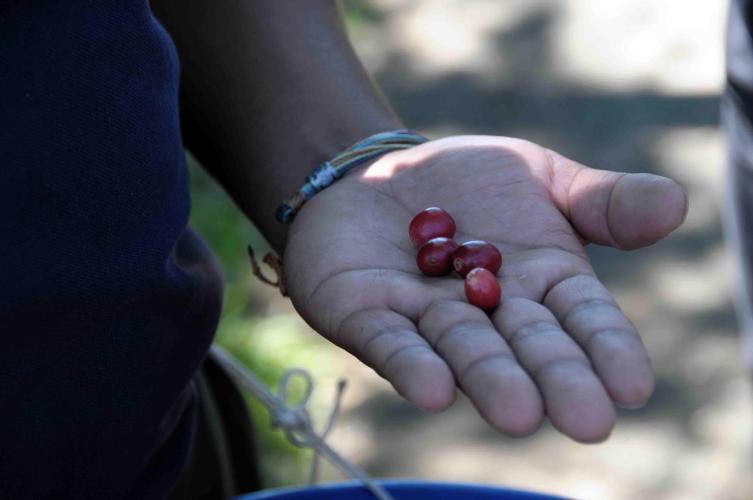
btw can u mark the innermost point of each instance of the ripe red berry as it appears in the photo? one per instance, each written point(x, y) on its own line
point(482, 288)
point(429, 224)
point(476, 253)
point(435, 256)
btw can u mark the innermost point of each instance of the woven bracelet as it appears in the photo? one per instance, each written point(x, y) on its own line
point(328, 172)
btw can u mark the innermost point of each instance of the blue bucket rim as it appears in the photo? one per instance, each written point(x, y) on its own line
point(403, 484)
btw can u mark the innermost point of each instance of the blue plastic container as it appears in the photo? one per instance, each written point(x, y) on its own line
point(400, 490)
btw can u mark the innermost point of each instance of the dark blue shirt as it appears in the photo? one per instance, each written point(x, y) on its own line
point(107, 302)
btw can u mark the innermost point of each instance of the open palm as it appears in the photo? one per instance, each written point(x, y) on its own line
point(558, 344)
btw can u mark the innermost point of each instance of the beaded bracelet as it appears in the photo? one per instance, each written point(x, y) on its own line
point(328, 172)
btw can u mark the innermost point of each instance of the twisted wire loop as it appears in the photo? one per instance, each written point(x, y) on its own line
point(275, 263)
point(294, 418)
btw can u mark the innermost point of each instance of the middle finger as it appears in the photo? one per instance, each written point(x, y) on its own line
point(483, 364)
point(576, 402)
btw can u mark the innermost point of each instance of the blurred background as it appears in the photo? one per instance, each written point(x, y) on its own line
point(630, 85)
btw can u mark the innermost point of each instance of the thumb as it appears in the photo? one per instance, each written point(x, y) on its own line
point(617, 209)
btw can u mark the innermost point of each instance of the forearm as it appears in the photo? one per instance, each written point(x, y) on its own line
point(269, 90)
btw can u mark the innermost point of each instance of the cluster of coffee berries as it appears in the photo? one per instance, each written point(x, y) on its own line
point(476, 261)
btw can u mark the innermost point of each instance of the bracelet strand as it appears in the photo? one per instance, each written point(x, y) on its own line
point(330, 171)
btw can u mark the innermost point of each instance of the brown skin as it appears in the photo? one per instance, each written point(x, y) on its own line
point(271, 88)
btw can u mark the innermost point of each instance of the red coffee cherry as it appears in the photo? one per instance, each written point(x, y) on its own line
point(435, 256)
point(482, 288)
point(476, 253)
point(429, 224)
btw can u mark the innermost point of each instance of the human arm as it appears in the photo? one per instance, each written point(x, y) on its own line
point(269, 90)
point(558, 344)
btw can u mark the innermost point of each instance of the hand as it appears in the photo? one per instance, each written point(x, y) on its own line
point(558, 344)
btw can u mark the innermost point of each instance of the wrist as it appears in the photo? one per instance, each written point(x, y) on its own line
point(330, 171)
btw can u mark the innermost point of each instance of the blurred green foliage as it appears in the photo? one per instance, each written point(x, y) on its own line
point(266, 344)
point(228, 232)
point(360, 13)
